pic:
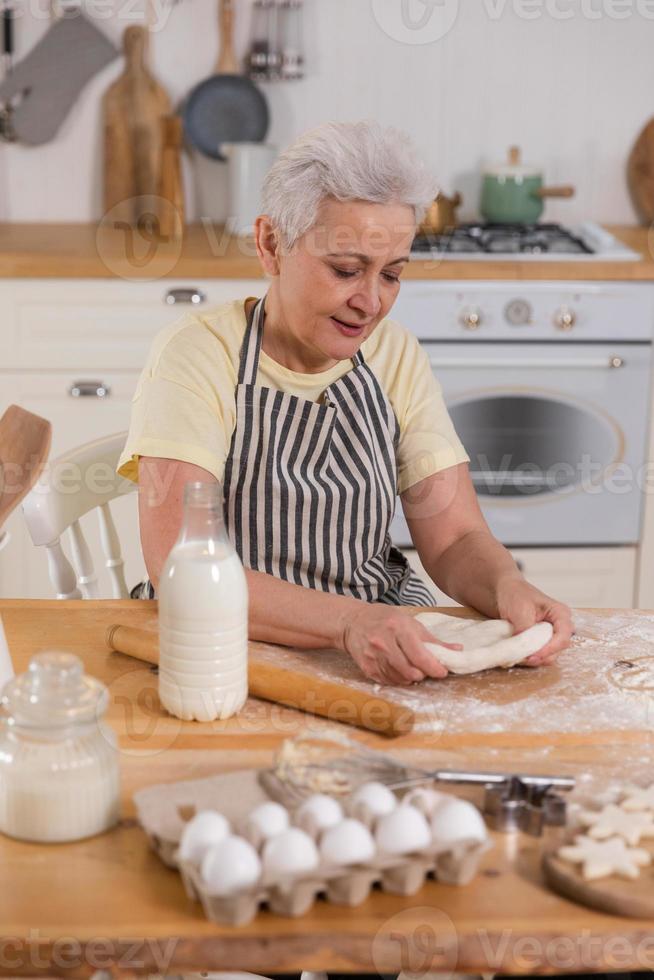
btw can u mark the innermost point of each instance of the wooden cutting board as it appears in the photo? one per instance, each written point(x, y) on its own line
point(133, 110)
point(615, 895)
point(640, 173)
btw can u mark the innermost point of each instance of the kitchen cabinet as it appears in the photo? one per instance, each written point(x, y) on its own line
point(72, 351)
point(58, 333)
point(597, 578)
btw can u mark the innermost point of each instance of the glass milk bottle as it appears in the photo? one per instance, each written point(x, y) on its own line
point(203, 615)
point(59, 775)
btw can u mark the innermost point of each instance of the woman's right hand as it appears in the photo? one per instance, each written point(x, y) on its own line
point(389, 646)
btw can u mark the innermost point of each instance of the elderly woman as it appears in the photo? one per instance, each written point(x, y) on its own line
point(315, 410)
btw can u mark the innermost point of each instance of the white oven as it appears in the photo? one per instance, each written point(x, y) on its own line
point(548, 388)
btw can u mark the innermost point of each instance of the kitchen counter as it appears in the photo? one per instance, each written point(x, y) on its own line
point(90, 251)
point(108, 902)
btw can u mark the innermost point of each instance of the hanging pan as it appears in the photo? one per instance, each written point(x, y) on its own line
point(226, 107)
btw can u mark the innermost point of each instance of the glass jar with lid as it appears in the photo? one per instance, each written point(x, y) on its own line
point(59, 773)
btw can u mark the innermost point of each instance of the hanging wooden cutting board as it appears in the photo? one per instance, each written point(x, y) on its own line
point(640, 173)
point(133, 109)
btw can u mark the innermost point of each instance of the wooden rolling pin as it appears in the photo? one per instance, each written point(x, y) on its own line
point(314, 695)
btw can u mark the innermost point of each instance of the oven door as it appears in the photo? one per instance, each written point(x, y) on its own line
point(556, 438)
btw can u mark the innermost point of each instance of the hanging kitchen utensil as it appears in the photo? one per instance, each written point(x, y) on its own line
point(44, 86)
point(133, 109)
point(7, 39)
point(640, 173)
point(257, 59)
point(513, 193)
point(225, 108)
point(290, 32)
point(6, 128)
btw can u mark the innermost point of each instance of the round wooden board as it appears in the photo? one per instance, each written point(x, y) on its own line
point(615, 895)
point(640, 173)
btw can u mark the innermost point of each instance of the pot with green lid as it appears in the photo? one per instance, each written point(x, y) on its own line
point(513, 193)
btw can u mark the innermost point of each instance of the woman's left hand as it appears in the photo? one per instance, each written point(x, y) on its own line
point(523, 606)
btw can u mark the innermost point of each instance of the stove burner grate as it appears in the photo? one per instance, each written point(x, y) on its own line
point(503, 239)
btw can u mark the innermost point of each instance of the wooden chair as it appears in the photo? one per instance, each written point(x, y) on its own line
point(77, 482)
point(24, 447)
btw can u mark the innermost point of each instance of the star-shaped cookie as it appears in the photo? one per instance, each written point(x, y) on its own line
point(602, 858)
point(613, 820)
point(639, 798)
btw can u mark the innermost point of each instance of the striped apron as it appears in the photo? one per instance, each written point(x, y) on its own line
point(310, 488)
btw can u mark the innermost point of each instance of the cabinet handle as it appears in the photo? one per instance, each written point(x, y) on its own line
point(193, 296)
point(89, 389)
point(520, 564)
point(613, 361)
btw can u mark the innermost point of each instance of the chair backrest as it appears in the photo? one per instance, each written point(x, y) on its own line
point(75, 483)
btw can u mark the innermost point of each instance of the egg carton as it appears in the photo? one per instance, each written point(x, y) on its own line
point(294, 896)
point(163, 811)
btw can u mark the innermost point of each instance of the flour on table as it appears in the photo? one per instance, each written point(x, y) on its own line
point(599, 859)
point(486, 644)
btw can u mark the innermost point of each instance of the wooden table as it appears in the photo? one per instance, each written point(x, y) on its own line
point(108, 903)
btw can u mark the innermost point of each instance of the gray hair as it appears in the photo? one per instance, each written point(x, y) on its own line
point(360, 161)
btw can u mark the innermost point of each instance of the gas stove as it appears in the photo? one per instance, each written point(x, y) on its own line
point(539, 242)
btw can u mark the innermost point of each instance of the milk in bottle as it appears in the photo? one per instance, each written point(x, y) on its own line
point(203, 615)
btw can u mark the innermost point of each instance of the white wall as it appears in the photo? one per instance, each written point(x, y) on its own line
point(572, 92)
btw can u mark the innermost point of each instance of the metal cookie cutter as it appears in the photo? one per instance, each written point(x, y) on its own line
point(527, 803)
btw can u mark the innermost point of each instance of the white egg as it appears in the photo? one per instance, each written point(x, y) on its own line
point(265, 821)
point(403, 831)
point(319, 813)
point(349, 842)
point(372, 800)
point(290, 853)
point(230, 866)
point(425, 799)
point(456, 820)
point(204, 829)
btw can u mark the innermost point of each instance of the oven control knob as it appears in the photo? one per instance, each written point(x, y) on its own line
point(565, 318)
point(518, 312)
point(470, 319)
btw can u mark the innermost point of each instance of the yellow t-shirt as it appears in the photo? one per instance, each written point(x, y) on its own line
point(185, 402)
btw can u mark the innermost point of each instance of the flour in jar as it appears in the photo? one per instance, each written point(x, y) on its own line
point(486, 644)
